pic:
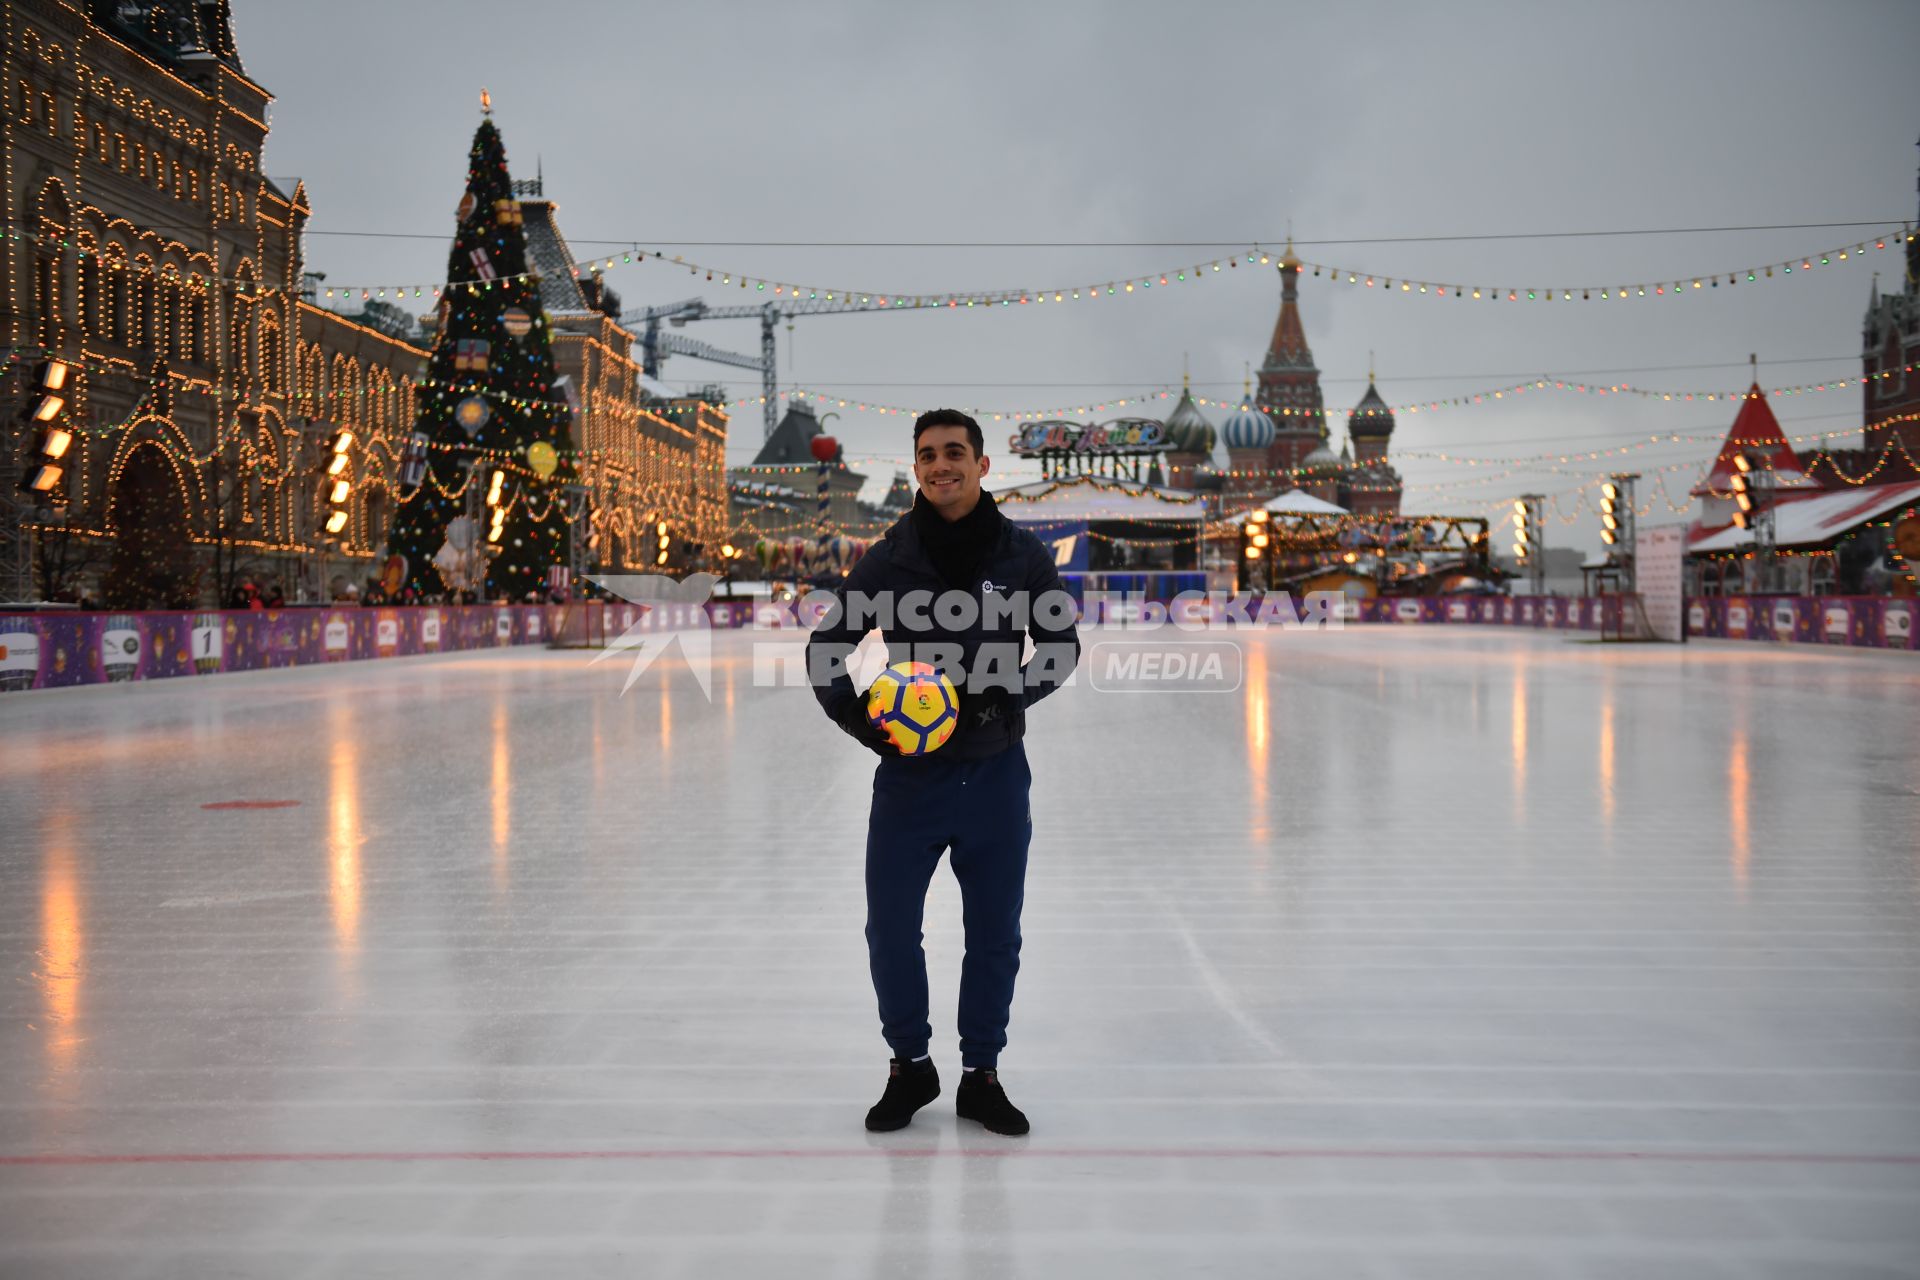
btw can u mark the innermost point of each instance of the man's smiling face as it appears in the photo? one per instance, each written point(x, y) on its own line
point(948, 471)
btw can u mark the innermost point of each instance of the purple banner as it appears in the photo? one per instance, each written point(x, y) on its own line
point(1872, 622)
point(1548, 612)
point(55, 650)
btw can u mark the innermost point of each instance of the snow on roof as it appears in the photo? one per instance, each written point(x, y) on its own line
point(1095, 498)
point(1799, 522)
point(550, 257)
point(1300, 502)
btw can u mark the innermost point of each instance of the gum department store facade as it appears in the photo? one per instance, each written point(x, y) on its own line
point(145, 248)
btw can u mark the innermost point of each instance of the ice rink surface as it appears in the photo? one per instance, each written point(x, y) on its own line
point(1429, 953)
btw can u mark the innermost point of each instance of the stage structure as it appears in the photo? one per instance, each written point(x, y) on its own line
point(1360, 554)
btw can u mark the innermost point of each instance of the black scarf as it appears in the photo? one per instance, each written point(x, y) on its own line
point(957, 547)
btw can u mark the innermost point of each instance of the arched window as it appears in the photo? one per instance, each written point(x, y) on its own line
point(197, 326)
point(240, 355)
point(53, 296)
point(115, 274)
point(174, 302)
point(1821, 574)
point(310, 379)
point(270, 353)
point(93, 305)
point(237, 338)
point(379, 413)
point(345, 405)
point(146, 307)
point(377, 517)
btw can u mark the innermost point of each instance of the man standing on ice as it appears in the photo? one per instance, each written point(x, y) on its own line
point(957, 584)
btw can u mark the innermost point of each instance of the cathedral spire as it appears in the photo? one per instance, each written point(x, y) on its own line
point(1289, 380)
point(1913, 245)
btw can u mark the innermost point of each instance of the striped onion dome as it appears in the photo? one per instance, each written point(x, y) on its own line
point(1247, 428)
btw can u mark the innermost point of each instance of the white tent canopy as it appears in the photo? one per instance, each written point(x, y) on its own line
point(1300, 502)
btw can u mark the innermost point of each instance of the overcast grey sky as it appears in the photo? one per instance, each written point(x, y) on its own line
point(1198, 121)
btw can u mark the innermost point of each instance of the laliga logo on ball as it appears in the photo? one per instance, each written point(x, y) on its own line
point(915, 706)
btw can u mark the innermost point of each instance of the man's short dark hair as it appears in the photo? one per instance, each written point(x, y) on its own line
point(949, 418)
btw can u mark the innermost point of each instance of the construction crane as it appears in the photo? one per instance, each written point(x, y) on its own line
point(656, 345)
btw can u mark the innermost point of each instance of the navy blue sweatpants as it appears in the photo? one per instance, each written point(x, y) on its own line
point(921, 809)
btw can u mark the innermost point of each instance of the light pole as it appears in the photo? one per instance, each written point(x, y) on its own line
point(1529, 539)
point(1617, 526)
point(1753, 489)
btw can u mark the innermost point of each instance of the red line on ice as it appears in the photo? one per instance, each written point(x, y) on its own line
point(1009, 1151)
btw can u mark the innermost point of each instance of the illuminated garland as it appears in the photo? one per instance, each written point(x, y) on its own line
point(1542, 384)
point(1411, 408)
point(910, 300)
point(1894, 444)
point(1178, 541)
point(1241, 473)
point(1508, 464)
point(1016, 498)
point(253, 289)
point(1661, 286)
point(1587, 479)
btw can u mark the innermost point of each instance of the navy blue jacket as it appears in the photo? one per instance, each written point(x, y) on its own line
point(992, 716)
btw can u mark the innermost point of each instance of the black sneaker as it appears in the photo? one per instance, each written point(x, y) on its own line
point(910, 1086)
point(981, 1098)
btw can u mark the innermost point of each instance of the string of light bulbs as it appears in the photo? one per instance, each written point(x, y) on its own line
point(1490, 395)
point(1648, 284)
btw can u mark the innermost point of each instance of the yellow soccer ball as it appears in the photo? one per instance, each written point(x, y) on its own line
point(914, 705)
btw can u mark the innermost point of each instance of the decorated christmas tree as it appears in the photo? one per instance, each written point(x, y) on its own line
point(487, 410)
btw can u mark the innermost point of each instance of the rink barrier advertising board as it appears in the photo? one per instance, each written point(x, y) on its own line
point(58, 650)
point(1870, 622)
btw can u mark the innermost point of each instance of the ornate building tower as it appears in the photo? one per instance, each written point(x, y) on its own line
point(1190, 440)
point(1890, 341)
point(1372, 486)
point(1290, 383)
